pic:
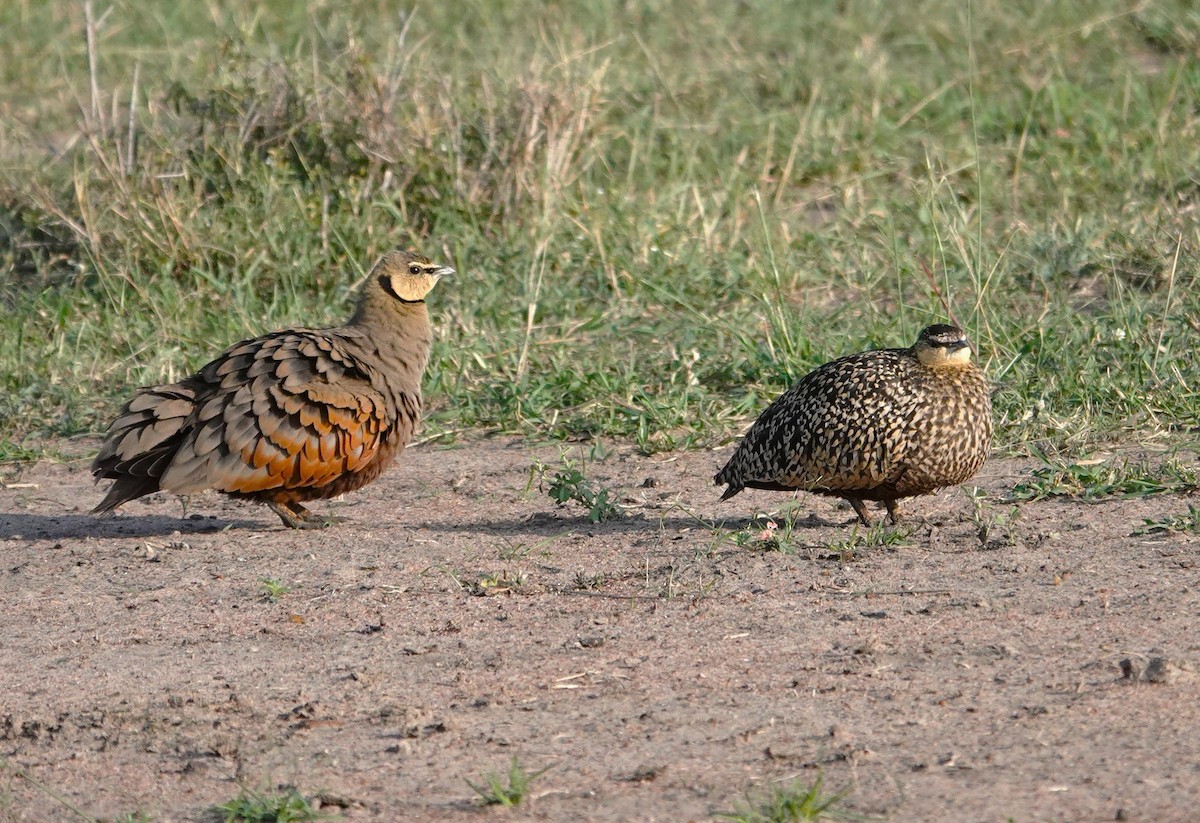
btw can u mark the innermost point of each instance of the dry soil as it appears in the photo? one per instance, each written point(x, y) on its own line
point(1031, 662)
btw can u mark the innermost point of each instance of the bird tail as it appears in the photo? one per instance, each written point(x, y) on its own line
point(731, 491)
point(726, 476)
point(125, 489)
point(141, 442)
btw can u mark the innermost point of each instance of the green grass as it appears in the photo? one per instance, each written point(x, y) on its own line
point(879, 535)
point(507, 790)
point(1098, 479)
point(1189, 522)
point(662, 212)
point(793, 803)
point(270, 807)
point(13, 452)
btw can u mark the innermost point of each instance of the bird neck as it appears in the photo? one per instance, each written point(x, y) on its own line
point(395, 336)
point(940, 358)
point(384, 312)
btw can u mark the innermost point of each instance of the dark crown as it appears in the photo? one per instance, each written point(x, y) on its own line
point(943, 335)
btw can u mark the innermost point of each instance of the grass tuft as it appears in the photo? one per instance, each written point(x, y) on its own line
point(506, 790)
point(879, 535)
point(793, 803)
point(1189, 522)
point(1096, 480)
point(287, 806)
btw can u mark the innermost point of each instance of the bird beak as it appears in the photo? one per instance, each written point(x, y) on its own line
point(444, 271)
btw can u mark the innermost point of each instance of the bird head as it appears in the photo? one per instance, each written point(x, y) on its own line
point(943, 345)
point(407, 276)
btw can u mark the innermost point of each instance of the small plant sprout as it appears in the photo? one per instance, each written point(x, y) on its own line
point(514, 551)
point(519, 551)
point(590, 581)
point(765, 534)
point(569, 483)
point(493, 583)
point(271, 589)
point(252, 806)
point(793, 803)
point(993, 528)
point(876, 536)
point(506, 790)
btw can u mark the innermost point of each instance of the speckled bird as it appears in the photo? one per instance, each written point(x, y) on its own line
point(292, 416)
point(880, 425)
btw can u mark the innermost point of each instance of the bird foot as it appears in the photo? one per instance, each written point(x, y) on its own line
point(860, 508)
point(295, 516)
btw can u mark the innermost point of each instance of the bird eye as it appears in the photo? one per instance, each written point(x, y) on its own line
point(414, 269)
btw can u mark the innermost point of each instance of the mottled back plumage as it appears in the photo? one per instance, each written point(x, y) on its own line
point(294, 415)
point(880, 425)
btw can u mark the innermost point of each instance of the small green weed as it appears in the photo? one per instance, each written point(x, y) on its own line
point(519, 551)
point(993, 528)
point(271, 589)
point(680, 577)
point(570, 483)
point(268, 807)
point(1189, 522)
point(876, 536)
point(1095, 479)
point(789, 804)
point(767, 535)
point(13, 452)
point(591, 582)
point(493, 583)
point(133, 817)
point(508, 791)
point(514, 551)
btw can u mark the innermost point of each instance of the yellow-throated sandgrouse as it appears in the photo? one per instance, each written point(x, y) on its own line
point(880, 425)
point(295, 415)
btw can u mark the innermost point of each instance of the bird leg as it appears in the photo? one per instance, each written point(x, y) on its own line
point(295, 516)
point(861, 510)
point(893, 507)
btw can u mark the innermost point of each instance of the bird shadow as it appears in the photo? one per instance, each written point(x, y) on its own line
point(21, 525)
point(546, 524)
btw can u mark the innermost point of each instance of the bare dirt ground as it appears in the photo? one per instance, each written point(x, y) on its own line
point(659, 669)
